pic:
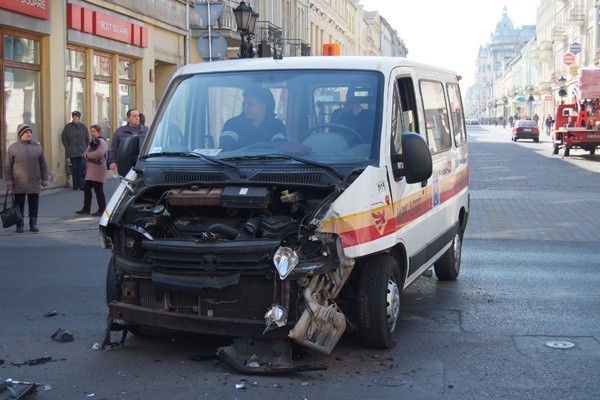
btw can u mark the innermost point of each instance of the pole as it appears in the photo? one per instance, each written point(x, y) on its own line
point(209, 34)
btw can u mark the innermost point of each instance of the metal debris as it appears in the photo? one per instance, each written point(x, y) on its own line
point(62, 336)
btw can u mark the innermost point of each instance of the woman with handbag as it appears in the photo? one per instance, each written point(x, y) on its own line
point(26, 173)
point(95, 172)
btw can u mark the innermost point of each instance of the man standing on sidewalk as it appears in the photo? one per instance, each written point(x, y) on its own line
point(76, 138)
point(133, 128)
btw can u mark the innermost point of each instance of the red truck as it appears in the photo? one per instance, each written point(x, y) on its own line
point(577, 124)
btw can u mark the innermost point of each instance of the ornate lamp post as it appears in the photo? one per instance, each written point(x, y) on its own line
point(245, 18)
point(562, 92)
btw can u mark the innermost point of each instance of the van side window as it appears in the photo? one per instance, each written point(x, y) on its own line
point(404, 112)
point(436, 116)
point(456, 114)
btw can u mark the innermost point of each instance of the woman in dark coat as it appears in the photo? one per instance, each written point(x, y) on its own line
point(26, 173)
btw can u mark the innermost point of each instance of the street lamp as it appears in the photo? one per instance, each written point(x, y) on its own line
point(245, 18)
point(562, 92)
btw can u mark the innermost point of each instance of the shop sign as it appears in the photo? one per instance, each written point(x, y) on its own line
point(34, 8)
point(575, 48)
point(569, 58)
point(96, 23)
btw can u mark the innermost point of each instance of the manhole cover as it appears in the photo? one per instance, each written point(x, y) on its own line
point(560, 344)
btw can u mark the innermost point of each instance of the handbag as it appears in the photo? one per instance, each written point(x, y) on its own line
point(10, 215)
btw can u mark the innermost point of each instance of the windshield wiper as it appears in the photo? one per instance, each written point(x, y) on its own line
point(288, 157)
point(191, 154)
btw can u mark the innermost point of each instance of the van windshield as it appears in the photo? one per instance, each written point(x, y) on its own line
point(327, 116)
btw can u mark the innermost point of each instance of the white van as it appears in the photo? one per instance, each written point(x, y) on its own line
point(282, 199)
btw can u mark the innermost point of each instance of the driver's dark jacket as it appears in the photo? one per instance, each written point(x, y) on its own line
point(122, 133)
point(247, 133)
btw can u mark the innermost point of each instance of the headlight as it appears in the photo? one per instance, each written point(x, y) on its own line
point(285, 260)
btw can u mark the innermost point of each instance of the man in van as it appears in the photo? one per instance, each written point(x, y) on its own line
point(132, 128)
point(256, 123)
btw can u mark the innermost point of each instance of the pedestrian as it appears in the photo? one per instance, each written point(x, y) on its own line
point(549, 122)
point(95, 172)
point(75, 138)
point(536, 119)
point(26, 173)
point(132, 128)
point(511, 121)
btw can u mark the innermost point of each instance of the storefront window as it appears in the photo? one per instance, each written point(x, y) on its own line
point(21, 49)
point(101, 111)
point(126, 88)
point(102, 94)
point(21, 102)
point(102, 66)
point(76, 85)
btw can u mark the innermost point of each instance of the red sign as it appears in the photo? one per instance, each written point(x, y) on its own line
point(569, 58)
point(112, 28)
point(85, 20)
point(35, 8)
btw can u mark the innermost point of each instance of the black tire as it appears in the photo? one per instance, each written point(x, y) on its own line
point(447, 267)
point(378, 304)
point(566, 152)
point(114, 279)
point(555, 149)
point(536, 140)
point(593, 151)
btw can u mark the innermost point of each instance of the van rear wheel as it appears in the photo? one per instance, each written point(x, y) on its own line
point(378, 305)
point(447, 267)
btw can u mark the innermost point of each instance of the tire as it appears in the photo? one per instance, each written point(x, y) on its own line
point(378, 304)
point(113, 282)
point(536, 140)
point(447, 267)
point(566, 152)
point(555, 149)
point(592, 151)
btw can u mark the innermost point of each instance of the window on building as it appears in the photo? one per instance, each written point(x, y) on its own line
point(126, 101)
point(22, 88)
point(102, 93)
point(75, 85)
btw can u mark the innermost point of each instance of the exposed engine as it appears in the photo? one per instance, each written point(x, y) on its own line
point(246, 253)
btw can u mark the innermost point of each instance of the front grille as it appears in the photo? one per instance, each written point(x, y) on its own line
point(215, 258)
point(249, 299)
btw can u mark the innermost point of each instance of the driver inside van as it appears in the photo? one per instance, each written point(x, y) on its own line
point(256, 123)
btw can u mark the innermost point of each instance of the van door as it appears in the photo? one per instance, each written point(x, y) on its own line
point(411, 201)
point(443, 216)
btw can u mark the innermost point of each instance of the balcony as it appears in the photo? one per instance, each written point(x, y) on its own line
point(559, 33)
point(577, 16)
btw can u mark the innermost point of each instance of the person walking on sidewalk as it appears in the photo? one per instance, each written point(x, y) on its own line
point(132, 128)
point(75, 138)
point(549, 122)
point(26, 173)
point(95, 172)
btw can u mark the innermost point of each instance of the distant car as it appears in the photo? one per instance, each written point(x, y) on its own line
point(472, 121)
point(525, 129)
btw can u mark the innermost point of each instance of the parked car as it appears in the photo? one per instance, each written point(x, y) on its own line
point(525, 129)
point(472, 121)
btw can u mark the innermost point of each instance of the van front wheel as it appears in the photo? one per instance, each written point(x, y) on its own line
point(379, 290)
point(447, 267)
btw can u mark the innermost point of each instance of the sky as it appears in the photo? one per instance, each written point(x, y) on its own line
point(449, 33)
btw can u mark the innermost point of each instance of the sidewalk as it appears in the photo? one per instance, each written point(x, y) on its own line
point(57, 209)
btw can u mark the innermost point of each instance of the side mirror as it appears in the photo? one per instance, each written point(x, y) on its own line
point(128, 154)
point(415, 157)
